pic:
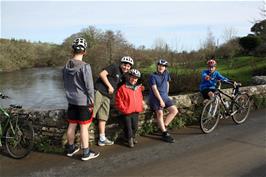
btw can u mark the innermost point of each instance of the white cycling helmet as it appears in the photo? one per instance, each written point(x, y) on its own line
point(162, 62)
point(127, 59)
point(79, 44)
point(135, 72)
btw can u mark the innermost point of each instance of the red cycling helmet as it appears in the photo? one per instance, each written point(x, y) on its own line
point(211, 63)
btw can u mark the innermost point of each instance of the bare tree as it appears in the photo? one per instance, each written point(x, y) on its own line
point(229, 34)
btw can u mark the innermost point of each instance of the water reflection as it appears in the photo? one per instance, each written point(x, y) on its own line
point(38, 88)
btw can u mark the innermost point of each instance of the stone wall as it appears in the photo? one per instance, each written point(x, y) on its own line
point(50, 126)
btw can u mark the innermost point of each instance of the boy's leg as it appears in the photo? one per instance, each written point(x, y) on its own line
point(210, 94)
point(165, 135)
point(71, 148)
point(134, 122)
point(101, 127)
point(160, 121)
point(71, 133)
point(84, 135)
point(128, 127)
point(102, 107)
point(129, 131)
point(171, 115)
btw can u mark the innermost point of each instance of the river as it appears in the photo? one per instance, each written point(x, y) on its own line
point(37, 88)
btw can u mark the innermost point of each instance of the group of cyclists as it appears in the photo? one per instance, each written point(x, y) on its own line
point(88, 99)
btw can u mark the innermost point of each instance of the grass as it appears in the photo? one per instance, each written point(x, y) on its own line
point(240, 69)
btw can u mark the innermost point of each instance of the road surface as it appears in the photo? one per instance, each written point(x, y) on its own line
point(231, 150)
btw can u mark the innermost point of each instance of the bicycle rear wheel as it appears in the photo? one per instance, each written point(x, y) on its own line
point(241, 108)
point(19, 142)
point(210, 116)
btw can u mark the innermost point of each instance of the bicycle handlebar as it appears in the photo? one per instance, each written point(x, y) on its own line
point(230, 82)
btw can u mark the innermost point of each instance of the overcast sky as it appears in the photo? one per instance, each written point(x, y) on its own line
point(183, 25)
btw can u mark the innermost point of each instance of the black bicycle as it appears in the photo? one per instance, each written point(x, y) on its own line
point(16, 133)
point(222, 105)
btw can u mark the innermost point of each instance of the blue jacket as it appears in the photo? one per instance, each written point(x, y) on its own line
point(210, 84)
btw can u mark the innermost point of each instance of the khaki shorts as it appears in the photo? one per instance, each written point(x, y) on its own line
point(101, 106)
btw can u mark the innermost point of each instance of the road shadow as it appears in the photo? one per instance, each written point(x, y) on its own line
point(190, 130)
point(154, 136)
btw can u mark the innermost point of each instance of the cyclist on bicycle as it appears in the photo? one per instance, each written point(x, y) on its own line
point(209, 77)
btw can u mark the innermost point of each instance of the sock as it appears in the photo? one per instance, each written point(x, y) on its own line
point(102, 137)
point(71, 146)
point(165, 133)
point(86, 151)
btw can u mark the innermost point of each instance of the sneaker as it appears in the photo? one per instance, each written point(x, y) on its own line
point(106, 142)
point(168, 138)
point(90, 155)
point(131, 142)
point(71, 152)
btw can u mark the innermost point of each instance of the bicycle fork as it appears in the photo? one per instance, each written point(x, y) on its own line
point(213, 107)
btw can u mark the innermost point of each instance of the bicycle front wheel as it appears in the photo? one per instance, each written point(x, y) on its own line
point(19, 140)
point(241, 108)
point(210, 116)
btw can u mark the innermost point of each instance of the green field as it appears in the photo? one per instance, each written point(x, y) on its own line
point(186, 76)
point(240, 69)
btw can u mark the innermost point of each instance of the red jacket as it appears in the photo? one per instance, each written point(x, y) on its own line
point(128, 99)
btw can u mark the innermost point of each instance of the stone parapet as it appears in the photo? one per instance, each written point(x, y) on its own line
point(50, 125)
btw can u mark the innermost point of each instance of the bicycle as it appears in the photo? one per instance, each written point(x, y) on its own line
point(237, 105)
point(16, 133)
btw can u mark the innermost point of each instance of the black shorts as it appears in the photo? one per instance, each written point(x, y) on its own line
point(205, 92)
point(79, 114)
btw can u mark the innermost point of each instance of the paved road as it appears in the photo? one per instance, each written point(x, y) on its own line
point(231, 150)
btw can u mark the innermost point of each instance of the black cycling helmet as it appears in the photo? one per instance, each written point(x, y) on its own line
point(162, 62)
point(79, 44)
point(134, 72)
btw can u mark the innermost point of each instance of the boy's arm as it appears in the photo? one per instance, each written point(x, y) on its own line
point(220, 77)
point(157, 95)
point(119, 98)
point(168, 87)
point(103, 75)
point(87, 75)
point(205, 76)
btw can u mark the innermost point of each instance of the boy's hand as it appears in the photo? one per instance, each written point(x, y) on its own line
point(207, 77)
point(111, 90)
point(162, 104)
point(90, 107)
point(142, 88)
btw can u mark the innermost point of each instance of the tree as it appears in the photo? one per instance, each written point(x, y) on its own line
point(249, 43)
point(229, 34)
point(259, 29)
point(209, 45)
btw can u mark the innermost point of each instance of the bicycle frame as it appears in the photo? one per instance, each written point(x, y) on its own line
point(235, 92)
point(7, 122)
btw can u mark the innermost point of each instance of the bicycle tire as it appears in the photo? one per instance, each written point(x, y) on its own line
point(242, 112)
point(20, 142)
point(209, 122)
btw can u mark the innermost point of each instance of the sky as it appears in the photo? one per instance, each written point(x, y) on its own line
point(183, 25)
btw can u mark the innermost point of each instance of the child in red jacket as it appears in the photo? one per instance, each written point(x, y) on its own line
point(129, 102)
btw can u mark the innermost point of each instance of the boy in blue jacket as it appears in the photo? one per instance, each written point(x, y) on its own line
point(209, 79)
